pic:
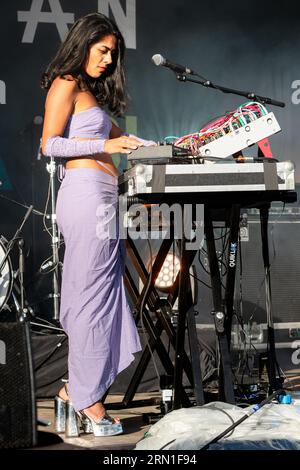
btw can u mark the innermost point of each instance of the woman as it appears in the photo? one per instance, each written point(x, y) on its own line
point(85, 76)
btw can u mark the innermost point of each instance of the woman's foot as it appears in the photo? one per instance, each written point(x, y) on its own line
point(64, 393)
point(95, 419)
point(96, 412)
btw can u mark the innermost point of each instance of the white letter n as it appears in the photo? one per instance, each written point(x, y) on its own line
point(126, 23)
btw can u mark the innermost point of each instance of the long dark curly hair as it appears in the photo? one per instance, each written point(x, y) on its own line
point(109, 89)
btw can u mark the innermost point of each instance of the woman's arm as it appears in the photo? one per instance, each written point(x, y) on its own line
point(60, 103)
point(117, 132)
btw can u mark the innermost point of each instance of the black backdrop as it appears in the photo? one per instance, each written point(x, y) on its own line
point(250, 45)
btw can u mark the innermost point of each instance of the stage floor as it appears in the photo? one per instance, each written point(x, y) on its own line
point(138, 418)
point(133, 420)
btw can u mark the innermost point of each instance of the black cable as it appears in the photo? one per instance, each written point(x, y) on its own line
point(199, 280)
point(201, 263)
point(247, 415)
point(58, 345)
point(225, 239)
point(243, 418)
point(223, 236)
point(217, 409)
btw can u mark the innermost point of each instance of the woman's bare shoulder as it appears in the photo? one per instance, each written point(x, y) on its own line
point(62, 90)
point(66, 83)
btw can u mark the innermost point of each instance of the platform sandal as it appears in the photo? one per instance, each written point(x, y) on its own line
point(105, 426)
point(65, 416)
point(60, 412)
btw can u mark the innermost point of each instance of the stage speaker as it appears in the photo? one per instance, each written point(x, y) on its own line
point(17, 388)
point(284, 248)
point(250, 300)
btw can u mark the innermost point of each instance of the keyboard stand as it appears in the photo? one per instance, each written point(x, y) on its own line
point(223, 307)
point(154, 328)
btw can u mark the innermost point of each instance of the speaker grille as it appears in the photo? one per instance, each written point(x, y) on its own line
point(17, 400)
point(284, 248)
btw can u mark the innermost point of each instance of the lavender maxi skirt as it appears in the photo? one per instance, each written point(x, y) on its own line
point(94, 311)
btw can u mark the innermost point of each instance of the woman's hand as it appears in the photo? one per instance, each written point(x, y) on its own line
point(122, 144)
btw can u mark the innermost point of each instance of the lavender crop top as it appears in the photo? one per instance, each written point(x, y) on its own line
point(91, 123)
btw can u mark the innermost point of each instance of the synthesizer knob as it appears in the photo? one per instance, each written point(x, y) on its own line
point(140, 169)
point(289, 166)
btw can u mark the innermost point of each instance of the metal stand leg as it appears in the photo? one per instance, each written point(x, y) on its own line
point(186, 319)
point(226, 390)
point(51, 168)
point(195, 357)
point(272, 364)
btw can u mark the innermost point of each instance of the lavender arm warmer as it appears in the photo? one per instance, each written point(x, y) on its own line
point(65, 148)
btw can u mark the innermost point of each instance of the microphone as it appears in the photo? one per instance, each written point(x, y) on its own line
point(158, 60)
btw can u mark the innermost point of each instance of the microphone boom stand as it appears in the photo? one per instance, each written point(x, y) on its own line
point(182, 77)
